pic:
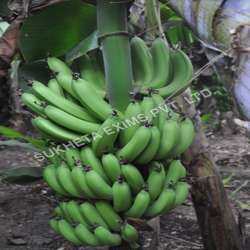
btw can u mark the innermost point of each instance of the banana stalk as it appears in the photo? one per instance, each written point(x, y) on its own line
point(114, 39)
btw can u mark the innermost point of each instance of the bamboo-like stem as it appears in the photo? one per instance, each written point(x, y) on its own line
point(112, 18)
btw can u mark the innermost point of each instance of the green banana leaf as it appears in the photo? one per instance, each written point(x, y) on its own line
point(12, 133)
point(57, 29)
point(23, 176)
point(228, 179)
point(204, 118)
point(26, 146)
point(88, 44)
point(4, 10)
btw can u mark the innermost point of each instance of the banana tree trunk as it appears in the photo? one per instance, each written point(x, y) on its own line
point(220, 25)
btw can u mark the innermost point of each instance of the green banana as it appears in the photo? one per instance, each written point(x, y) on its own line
point(74, 212)
point(133, 176)
point(78, 176)
point(183, 73)
point(70, 122)
point(57, 211)
point(47, 95)
point(63, 176)
point(181, 192)
point(186, 138)
point(107, 134)
point(156, 181)
point(98, 185)
point(32, 102)
point(142, 59)
point(149, 152)
point(67, 231)
point(91, 100)
point(71, 155)
point(86, 237)
point(108, 214)
point(56, 132)
point(87, 72)
point(129, 233)
point(136, 145)
point(52, 157)
point(169, 140)
point(88, 157)
point(99, 73)
point(91, 215)
point(65, 213)
point(121, 195)
point(132, 122)
point(106, 237)
point(163, 204)
point(56, 87)
point(141, 203)
point(49, 175)
point(175, 172)
point(100, 61)
point(54, 225)
point(149, 108)
point(163, 72)
point(111, 165)
point(56, 64)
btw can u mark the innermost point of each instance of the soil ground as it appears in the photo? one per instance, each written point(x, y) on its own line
point(25, 211)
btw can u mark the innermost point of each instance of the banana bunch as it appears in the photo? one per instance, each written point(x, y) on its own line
point(219, 92)
point(168, 72)
point(106, 164)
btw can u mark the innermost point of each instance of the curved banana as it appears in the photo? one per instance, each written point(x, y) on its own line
point(91, 215)
point(33, 103)
point(49, 175)
point(121, 195)
point(149, 108)
point(71, 155)
point(108, 214)
point(183, 73)
point(142, 59)
point(169, 140)
point(86, 237)
point(131, 121)
point(136, 145)
point(70, 122)
point(107, 134)
point(186, 138)
point(156, 182)
point(163, 70)
point(58, 133)
point(106, 237)
point(65, 213)
point(78, 176)
point(74, 212)
point(57, 211)
point(67, 231)
point(54, 225)
point(111, 165)
point(149, 152)
point(56, 64)
point(141, 203)
point(52, 156)
point(63, 176)
point(163, 204)
point(133, 176)
point(56, 87)
point(181, 192)
point(129, 233)
point(88, 157)
point(87, 72)
point(72, 99)
point(50, 97)
point(91, 100)
point(175, 172)
point(98, 185)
